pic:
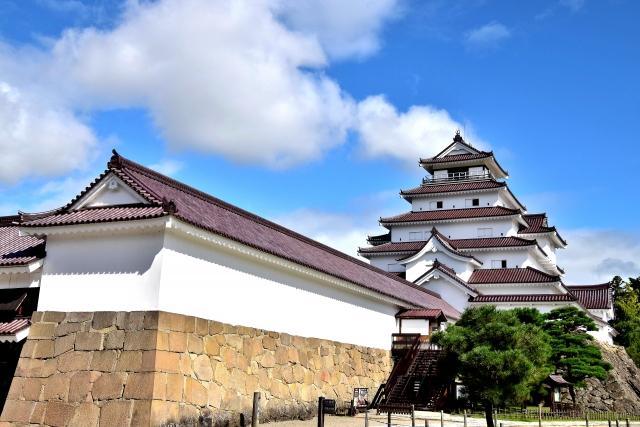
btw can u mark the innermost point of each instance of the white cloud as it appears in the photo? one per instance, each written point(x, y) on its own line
point(344, 29)
point(421, 131)
point(167, 167)
point(37, 138)
point(489, 35)
point(595, 256)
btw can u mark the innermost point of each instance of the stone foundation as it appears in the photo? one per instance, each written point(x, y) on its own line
point(154, 368)
point(620, 392)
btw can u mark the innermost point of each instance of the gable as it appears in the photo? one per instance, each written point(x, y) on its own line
point(110, 191)
point(457, 148)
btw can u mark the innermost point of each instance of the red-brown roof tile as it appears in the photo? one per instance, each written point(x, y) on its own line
point(412, 247)
point(420, 314)
point(511, 275)
point(593, 296)
point(452, 187)
point(455, 158)
point(14, 326)
point(537, 223)
point(450, 214)
point(446, 270)
point(491, 242)
point(16, 250)
point(524, 298)
point(98, 215)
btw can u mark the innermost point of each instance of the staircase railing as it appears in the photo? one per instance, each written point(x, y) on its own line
point(402, 366)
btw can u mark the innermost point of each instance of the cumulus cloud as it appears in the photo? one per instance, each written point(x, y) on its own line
point(421, 131)
point(344, 29)
point(39, 139)
point(489, 35)
point(595, 256)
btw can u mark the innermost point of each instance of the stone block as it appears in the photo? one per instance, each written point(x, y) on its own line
point(269, 343)
point(79, 316)
point(215, 395)
point(89, 341)
point(177, 341)
point(28, 348)
point(141, 415)
point(195, 344)
point(66, 328)
point(175, 385)
point(195, 393)
point(80, 385)
point(116, 413)
point(65, 343)
point(211, 346)
point(148, 361)
point(151, 319)
point(15, 390)
point(202, 326)
point(17, 411)
point(36, 316)
point(103, 319)
point(215, 327)
point(162, 340)
point(114, 340)
point(32, 388)
point(42, 331)
point(86, 415)
point(130, 361)
point(58, 413)
point(108, 386)
point(164, 413)
point(37, 416)
point(74, 361)
point(140, 340)
point(53, 316)
point(202, 368)
point(134, 321)
point(104, 361)
point(35, 368)
point(139, 386)
point(167, 362)
point(221, 374)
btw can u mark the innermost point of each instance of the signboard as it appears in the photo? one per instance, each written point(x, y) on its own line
point(361, 398)
point(329, 406)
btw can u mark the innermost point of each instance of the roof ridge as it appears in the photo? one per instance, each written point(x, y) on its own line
point(150, 173)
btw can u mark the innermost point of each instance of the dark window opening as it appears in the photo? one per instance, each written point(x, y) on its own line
point(439, 205)
point(475, 202)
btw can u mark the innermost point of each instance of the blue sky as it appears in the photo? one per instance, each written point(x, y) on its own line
point(319, 119)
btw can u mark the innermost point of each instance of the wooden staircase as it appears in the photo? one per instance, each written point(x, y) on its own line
point(415, 380)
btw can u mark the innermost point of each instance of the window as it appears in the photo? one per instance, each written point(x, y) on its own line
point(485, 232)
point(435, 205)
point(439, 204)
point(468, 203)
point(415, 235)
point(499, 263)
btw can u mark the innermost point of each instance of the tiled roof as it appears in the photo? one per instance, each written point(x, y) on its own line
point(452, 187)
point(209, 213)
point(16, 250)
point(455, 158)
point(14, 326)
point(379, 239)
point(450, 214)
point(490, 242)
point(537, 223)
point(524, 298)
point(394, 247)
point(432, 313)
point(593, 296)
point(511, 275)
point(98, 215)
point(446, 270)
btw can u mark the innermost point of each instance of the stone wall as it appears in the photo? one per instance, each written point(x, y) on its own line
point(152, 368)
point(620, 392)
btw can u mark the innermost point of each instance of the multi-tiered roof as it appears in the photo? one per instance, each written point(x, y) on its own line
point(511, 259)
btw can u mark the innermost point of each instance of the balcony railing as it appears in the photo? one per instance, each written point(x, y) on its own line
point(457, 177)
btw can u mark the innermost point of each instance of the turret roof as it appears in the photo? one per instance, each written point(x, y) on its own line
point(511, 275)
point(593, 296)
point(450, 214)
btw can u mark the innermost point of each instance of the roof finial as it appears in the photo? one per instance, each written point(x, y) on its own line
point(115, 161)
point(458, 137)
point(169, 206)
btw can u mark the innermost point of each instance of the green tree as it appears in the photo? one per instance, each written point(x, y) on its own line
point(626, 321)
point(499, 359)
point(572, 350)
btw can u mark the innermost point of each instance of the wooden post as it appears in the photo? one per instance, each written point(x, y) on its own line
point(413, 416)
point(366, 418)
point(627, 420)
point(389, 418)
point(495, 418)
point(465, 418)
point(617, 422)
point(321, 411)
point(539, 415)
point(426, 423)
point(609, 422)
point(586, 419)
point(441, 418)
point(256, 407)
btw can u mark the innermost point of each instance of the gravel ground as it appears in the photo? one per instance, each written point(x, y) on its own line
point(433, 419)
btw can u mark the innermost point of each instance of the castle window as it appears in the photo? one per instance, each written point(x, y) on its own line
point(469, 203)
point(499, 263)
point(436, 205)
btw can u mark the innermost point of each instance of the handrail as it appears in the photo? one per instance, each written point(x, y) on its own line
point(403, 364)
point(458, 177)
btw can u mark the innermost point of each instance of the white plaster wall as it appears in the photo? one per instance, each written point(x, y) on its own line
point(546, 245)
point(387, 262)
point(418, 267)
point(209, 282)
point(518, 289)
point(20, 280)
point(457, 201)
point(449, 292)
point(457, 230)
point(101, 272)
point(414, 326)
point(515, 258)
